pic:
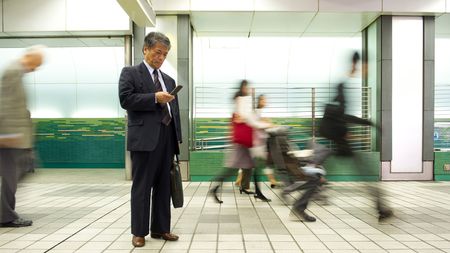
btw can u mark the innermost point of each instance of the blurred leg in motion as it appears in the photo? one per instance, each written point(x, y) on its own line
point(384, 211)
point(238, 179)
point(310, 187)
point(245, 181)
point(10, 174)
point(259, 163)
point(220, 178)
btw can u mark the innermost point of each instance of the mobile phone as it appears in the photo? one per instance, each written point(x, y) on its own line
point(176, 90)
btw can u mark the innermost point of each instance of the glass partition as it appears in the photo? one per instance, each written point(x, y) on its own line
point(78, 79)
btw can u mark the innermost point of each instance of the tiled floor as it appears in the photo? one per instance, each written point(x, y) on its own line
point(88, 211)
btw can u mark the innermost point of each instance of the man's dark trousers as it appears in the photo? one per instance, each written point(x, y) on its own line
point(9, 173)
point(151, 178)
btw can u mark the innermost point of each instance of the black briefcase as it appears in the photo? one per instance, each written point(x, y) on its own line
point(176, 184)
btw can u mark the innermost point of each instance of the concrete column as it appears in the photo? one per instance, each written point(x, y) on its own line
point(128, 62)
point(406, 108)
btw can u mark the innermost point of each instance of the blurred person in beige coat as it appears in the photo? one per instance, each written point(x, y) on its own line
point(15, 131)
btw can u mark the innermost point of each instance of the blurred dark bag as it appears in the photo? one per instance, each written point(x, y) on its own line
point(241, 133)
point(333, 125)
point(176, 184)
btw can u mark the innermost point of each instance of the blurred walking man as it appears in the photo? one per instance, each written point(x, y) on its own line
point(15, 132)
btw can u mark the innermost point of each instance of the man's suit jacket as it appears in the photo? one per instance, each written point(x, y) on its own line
point(137, 96)
point(14, 117)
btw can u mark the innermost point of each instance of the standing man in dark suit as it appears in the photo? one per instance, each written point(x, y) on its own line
point(153, 136)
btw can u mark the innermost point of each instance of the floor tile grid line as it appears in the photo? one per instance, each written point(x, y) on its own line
point(20, 204)
point(63, 199)
point(431, 212)
point(391, 225)
point(343, 196)
point(112, 210)
point(259, 218)
point(111, 225)
point(378, 229)
point(127, 214)
point(23, 199)
point(240, 224)
point(428, 196)
point(320, 206)
point(40, 228)
point(184, 209)
point(101, 209)
point(85, 227)
point(242, 231)
point(80, 230)
point(407, 199)
point(290, 207)
point(201, 211)
point(342, 199)
point(64, 208)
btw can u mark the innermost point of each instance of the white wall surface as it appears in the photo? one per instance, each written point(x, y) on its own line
point(36, 15)
point(407, 94)
point(74, 82)
point(64, 17)
point(92, 15)
point(283, 68)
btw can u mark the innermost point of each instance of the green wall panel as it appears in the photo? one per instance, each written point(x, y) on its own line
point(80, 143)
point(205, 164)
point(440, 159)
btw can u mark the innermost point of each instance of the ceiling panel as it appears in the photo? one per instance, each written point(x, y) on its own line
point(103, 42)
point(419, 6)
point(286, 5)
point(281, 22)
point(221, 21)
point(443, 25)
point(350, 5)
point(12, 43)
point(341, 22)
point(216, 5)
point(171, 5)
point(54, 42)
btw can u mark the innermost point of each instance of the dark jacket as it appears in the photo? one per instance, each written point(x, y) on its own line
point(334, 124)
point(137, 96)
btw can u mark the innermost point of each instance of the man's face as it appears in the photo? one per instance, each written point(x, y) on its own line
point(156, 55)
point(33, 61)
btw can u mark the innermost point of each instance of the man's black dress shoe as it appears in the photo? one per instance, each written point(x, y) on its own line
point(17, 223)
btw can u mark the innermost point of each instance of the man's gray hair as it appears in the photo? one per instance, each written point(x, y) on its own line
point(156, 37)
point(36, 49)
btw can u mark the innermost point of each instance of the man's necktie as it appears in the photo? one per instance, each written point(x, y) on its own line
point(166, 115)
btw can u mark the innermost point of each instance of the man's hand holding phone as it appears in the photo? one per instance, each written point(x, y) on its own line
point(163, 97)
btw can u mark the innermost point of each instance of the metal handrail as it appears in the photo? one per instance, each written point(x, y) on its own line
point(302, 104)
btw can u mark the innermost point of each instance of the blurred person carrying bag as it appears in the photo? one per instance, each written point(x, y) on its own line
point(176, 184)
point(242, 133)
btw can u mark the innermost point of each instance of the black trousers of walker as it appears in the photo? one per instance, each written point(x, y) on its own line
point(151, 180)
point(9, 172)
